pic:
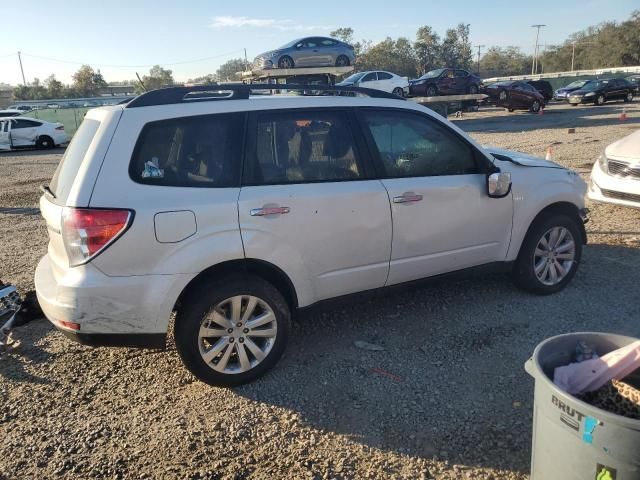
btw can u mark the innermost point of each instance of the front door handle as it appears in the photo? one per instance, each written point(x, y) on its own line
point(407, 198)
point(261, 212)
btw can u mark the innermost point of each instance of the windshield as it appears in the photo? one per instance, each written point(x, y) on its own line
point(595, 85)
point(290, 44)
point(432, 73)
point(578, 84)
point(354, 78)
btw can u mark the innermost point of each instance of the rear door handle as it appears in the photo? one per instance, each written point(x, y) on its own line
point(407, 198)
point(261, 212)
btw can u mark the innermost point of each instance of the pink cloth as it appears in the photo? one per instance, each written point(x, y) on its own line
point(590, 375)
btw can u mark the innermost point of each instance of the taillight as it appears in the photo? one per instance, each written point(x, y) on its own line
point(61, 127)
point(88, 231)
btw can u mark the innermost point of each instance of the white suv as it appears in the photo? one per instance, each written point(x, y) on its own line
point(234, 210)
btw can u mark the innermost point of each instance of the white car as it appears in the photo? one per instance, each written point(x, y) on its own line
point(234, 210)
point(10, 112)
point(30, 132)
point(22, 108)
point(615, 177)
point(379, 80)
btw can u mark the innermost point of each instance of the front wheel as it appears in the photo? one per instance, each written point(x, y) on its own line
point(550, 254)
point(535, 106)
point(473, 89)
point(231, 332)
point(600, 100)
point(431, 91)
point(629, 97)
point(286, 62)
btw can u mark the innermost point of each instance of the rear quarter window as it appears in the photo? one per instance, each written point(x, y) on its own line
point(202, 151)
point(71, 161)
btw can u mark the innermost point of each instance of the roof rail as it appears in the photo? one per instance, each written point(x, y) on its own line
point(238, 91)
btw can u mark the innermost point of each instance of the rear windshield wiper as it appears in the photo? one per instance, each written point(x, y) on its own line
point(45, 189)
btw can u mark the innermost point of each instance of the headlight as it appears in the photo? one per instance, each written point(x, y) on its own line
point(603, 161)
point(590, 94)
point(274, 54)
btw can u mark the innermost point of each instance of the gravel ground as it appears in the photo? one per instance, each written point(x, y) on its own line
point(447, 398)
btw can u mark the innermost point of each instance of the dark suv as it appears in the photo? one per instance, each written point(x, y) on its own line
point(543, 87)
point(445, 81)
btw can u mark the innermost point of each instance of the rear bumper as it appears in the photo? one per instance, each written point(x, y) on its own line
point(96, 309)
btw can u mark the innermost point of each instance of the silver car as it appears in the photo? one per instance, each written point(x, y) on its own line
point(308, 52)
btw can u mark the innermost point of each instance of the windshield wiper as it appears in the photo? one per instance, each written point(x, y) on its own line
point(45, 189)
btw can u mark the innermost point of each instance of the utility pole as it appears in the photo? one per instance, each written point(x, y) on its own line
point(479, 47)
point(246, 62)
point(22, 70)
point(534, 65)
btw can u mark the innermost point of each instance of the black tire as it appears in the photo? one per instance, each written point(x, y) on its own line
point(202, 300)
point(45, 141)
point(523, 272)
point(599, 100)
point(431, 91)
point(286, 62)
point(511, 110)
point(535, 106)
point(473, 89)
point(629, 97)
point(398, 92)
point(342, 61)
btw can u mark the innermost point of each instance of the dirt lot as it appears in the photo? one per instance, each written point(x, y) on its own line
point(447, 398)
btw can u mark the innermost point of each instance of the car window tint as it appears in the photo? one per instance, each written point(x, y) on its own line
point(311, 44)
point(384, 76)
point(198, 151)
point(461, 73)
point(411, 145)
point(328, 43)
point(25, 124)
point(369, 77)
point(302, 147)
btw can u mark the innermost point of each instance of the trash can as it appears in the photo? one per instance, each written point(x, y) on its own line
point(573, 440)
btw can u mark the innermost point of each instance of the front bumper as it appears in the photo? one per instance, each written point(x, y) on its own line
point(579, 100)
point(605, 188)
point(96, 309)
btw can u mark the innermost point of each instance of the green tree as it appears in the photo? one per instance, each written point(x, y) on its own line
point(498, 62)
point(87, 82)
point(230, 70)
point(345, 34)
point(396, 56)
point(55, 88)
point(207, 79)
point(427, 49)
point(158, 77)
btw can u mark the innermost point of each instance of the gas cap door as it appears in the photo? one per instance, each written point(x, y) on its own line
point(174, 227)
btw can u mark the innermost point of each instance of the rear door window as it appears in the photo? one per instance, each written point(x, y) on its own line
point(201, 151)
point(71, 161)
point(300, 147)
point(384, 76)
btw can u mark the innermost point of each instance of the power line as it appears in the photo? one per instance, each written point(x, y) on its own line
point(130, 66)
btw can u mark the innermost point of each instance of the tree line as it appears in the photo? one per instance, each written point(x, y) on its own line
point(607, 44)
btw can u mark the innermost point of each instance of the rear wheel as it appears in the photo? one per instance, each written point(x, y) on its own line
point(232, 331)
point(286, 62)
point(550, 254)
point(44, 141)
point(398, 92)
point(342, 61)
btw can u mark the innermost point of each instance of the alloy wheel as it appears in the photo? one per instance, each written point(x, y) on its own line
point(554, 256)
point(237, 334)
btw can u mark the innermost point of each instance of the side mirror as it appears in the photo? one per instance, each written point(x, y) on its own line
point(498, 184)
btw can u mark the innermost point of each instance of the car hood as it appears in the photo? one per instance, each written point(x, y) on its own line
point(268, 54)
point(627, 147)
point(583, 92)
point(521, 159)
point(345, 84)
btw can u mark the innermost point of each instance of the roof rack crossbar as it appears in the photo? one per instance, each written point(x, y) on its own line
point(238, 91)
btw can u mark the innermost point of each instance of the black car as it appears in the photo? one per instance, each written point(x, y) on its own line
point(600, 91)
point(543, 87)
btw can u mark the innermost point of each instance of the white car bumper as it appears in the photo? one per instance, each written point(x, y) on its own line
point(95, 309)
point(606, 188)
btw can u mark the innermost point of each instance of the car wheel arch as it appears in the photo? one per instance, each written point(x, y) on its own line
point(561, 207)
point(251, 266)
